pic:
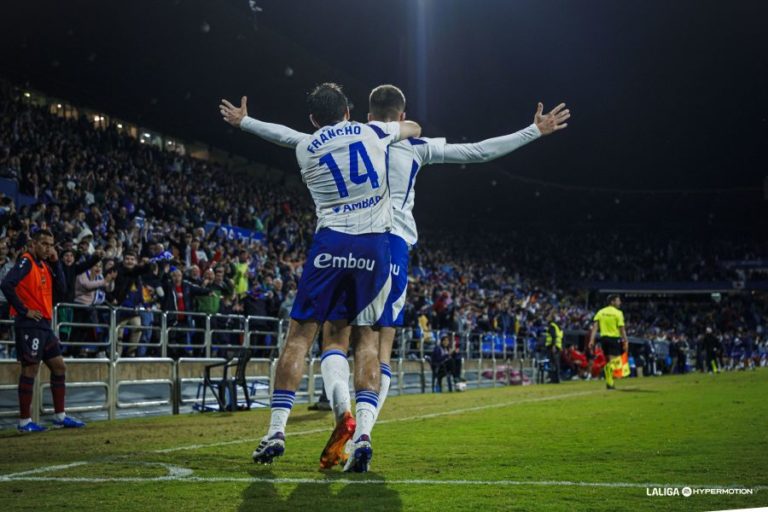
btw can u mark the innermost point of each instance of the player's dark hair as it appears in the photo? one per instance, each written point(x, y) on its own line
point(36, 235)
point(129, 252)
point(386, 103)
point(612, 297)
point(327, 104)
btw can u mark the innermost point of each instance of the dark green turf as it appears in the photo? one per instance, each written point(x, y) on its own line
point(688, 430)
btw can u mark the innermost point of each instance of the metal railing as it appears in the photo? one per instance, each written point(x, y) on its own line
point(129, 332)
point(7, 346)
point(179, 377)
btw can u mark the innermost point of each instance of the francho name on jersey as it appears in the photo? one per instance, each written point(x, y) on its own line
point(332, 133)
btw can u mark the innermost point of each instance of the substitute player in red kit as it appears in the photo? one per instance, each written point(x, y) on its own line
point(29, 290)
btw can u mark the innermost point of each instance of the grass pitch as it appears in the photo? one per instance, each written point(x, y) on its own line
point(573, 446)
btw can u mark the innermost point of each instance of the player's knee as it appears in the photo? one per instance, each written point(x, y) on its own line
point(30, 370)
point(366, 348)
point(57, 366)
point(341, 345)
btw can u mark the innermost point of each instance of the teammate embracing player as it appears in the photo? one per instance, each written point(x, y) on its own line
point(346, 279)
point(406, 158)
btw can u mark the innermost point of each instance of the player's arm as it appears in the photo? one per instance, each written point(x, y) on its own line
point(11, 281)
point(271, 132)
point(592, 335)
point(408, 129)
point(497, 147)
point(59, 279)
point(624, 339)
point(395, 131)
point(87, 264)
point(195, 290)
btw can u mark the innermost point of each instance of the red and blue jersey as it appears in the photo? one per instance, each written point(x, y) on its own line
point(29, 286)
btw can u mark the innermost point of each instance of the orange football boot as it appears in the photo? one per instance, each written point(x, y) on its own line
point(334, 453)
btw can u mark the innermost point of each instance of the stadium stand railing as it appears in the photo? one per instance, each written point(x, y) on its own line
point(116, 383)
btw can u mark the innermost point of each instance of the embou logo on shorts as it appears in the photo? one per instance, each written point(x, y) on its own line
point(326, 260)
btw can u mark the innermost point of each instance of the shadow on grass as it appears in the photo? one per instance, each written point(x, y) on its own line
point(636, 390)
point(267, 492)
point(313, 415)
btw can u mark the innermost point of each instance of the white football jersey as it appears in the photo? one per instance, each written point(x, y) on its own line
point(406, 158)
point(345, 168)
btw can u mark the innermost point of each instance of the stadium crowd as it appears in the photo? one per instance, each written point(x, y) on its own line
point(130, 223)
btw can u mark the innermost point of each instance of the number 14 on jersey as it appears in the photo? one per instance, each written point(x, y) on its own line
point(357, 152)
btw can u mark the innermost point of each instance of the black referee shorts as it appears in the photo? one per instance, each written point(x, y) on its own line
point(611, 346)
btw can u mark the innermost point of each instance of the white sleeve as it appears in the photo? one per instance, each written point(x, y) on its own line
point(387, 132)
point(429, 151)
point(489, 149)
point(274, 133)
point(394, 130)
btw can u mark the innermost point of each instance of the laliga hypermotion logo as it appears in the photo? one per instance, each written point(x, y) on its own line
point(687, 492)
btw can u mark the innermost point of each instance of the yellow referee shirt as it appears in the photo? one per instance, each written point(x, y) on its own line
point(609, 319)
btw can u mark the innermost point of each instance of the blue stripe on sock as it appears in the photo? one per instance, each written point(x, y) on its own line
point(283, 399)
point(367, 397)
point(333, 352)
point(365, 400)
point(386, 370)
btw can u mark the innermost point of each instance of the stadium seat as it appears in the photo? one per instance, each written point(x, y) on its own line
point(224, 390)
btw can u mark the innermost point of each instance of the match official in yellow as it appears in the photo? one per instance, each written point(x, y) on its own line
point(554, 341)
point(613, 336)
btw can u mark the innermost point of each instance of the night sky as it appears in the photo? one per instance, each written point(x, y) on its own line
point(664, 95)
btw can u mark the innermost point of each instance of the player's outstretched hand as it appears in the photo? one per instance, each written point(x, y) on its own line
point(232, 114)
point(553, 121)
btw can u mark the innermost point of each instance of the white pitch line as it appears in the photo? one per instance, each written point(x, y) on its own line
point(325, 430)
point(383, 422)
point(350, 481)
point(44, 469)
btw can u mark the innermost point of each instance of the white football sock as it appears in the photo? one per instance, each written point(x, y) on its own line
point(334, 367)
point(282, 403)
point(366, 403)
point(386, 377)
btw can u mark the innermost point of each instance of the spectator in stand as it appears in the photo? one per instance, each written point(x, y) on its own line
point(6, 264)
point(285, 307)
point(72, 269)
point(178, 296)
point(442, 364)
point(129, 294)
point(649, 356)
point(240, 273)
point(105, 189)
point(91, 288)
